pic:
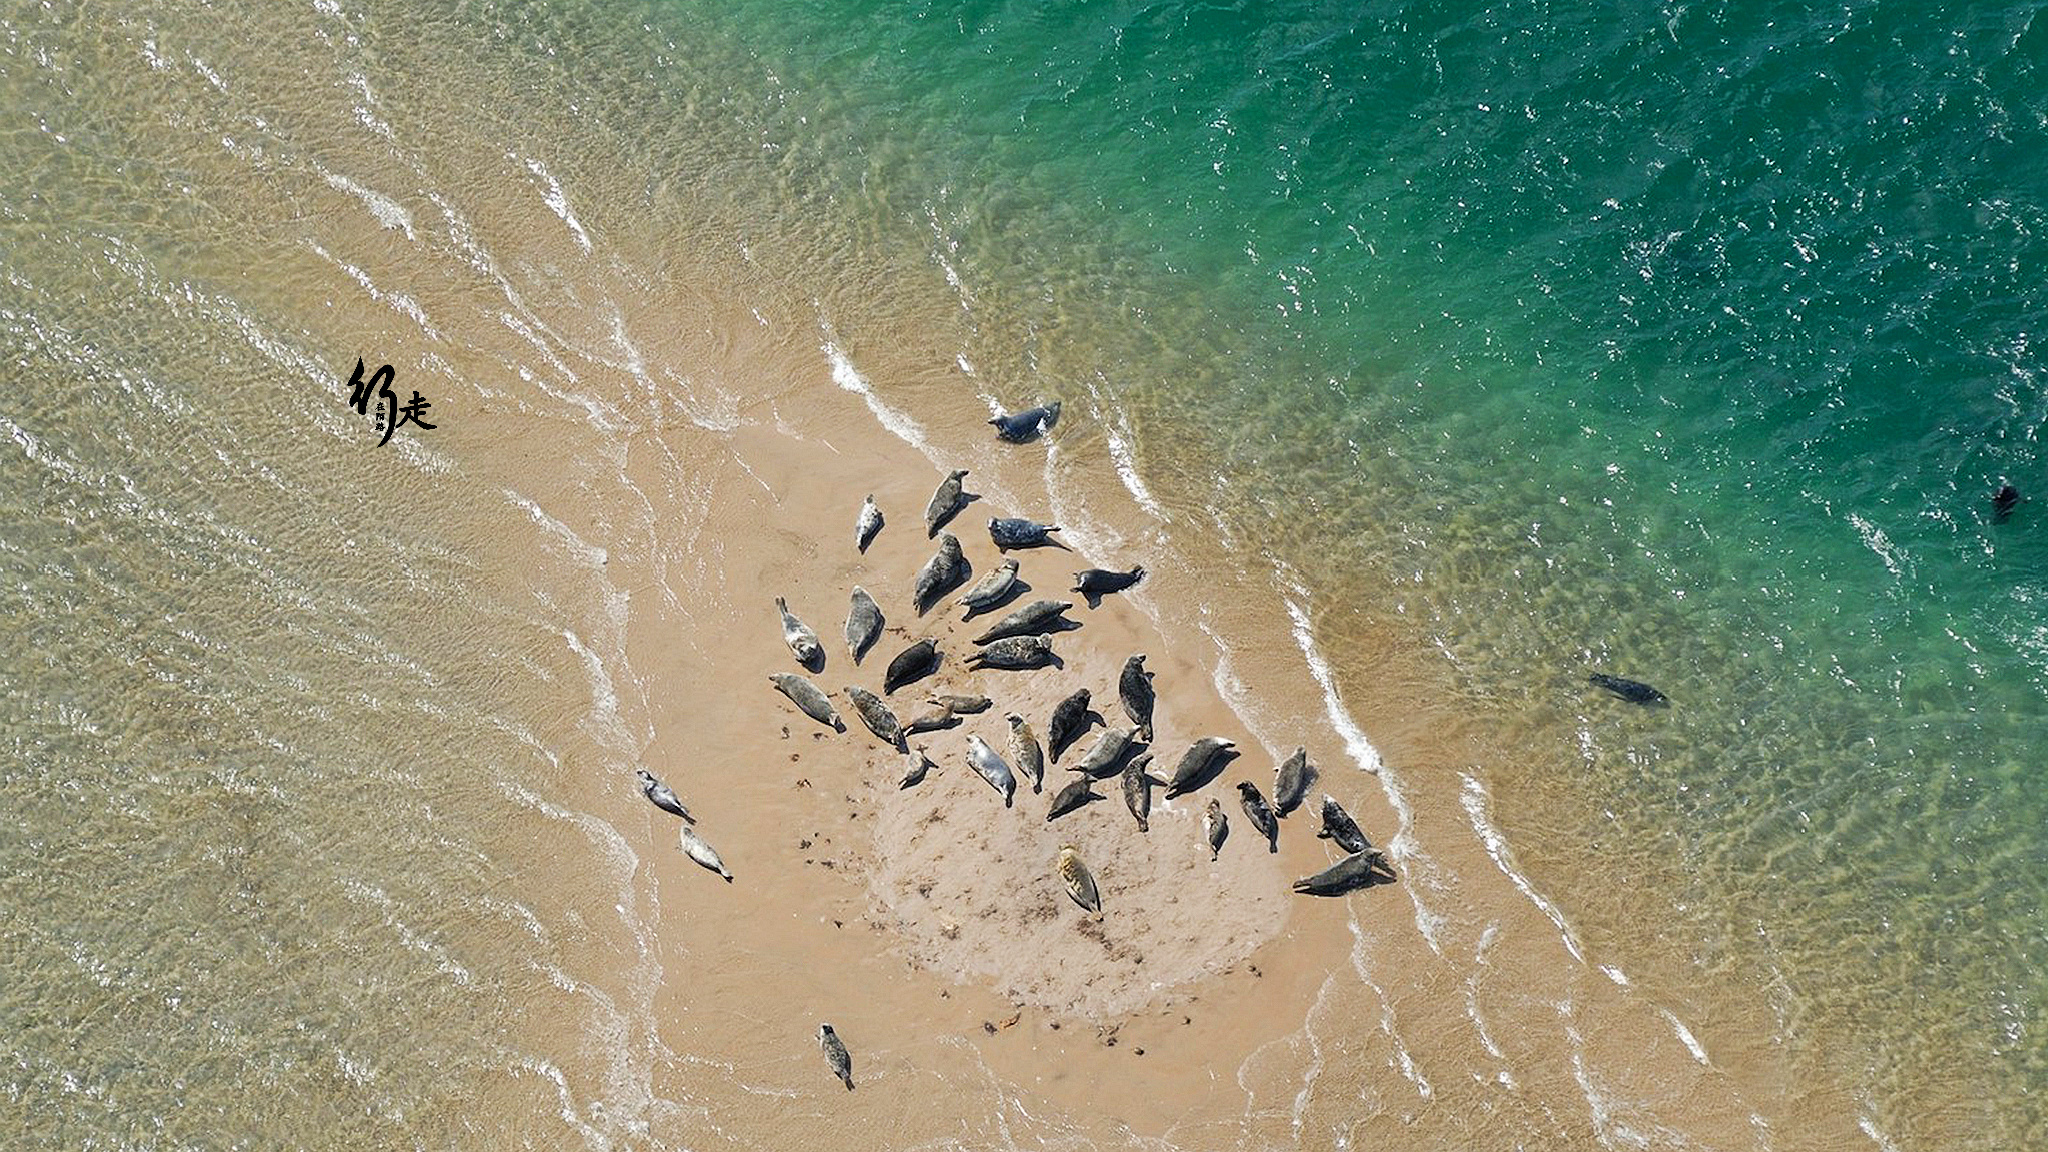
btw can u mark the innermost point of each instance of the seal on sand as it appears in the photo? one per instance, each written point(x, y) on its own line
point(1633, 691)
point(1012, 532)
point(800, 638)
point(1070, 718)
point(1340, 827)
point(916, 764)
point(990, 589)
point(991, 768)
point(1193, 770)
point(1071, 797)
point(945, 502)
point(940, 574)
point(1134, 690)
point(662, 795)
point(964, 705)
point(1291, 781)
point(835, 1055)
point(913, 663)
point(875, 715)
point(1215, 827)
point(931, 720)
point(1080, 884)
point(1037, 616)
point(1015, 653)
point(1354, 871)
point(695, 847)
point(863, 623)
point(1138, 789)
point(1095, 583)
point(870, 522)
point(1102, 757)
point(1025, 751)
point(809, 697)
point(1260, 813)
point(1029, 424)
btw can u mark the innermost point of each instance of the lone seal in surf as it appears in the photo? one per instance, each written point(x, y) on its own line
point(1012, 532)
point(1031, 423)
point(1633, 691)
point(1095, 583)
point(836, 1055)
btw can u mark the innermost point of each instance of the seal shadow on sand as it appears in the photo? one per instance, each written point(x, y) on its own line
point(1017, 588)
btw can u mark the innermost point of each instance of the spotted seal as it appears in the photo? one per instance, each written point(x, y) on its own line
point(1013, 532)
point(1024, 750)
point(1193, 770)
point(1291, 782)
point(1215, 827)
point(1037, 616)
point(946, 501)
point(863, 623)
point(836, 1055)
point(1079, 881)
point(662, 796)
point(1015, 653)
point(1340, 827)
point(990, 590)
point(983, 760)
point(809, 697)
point(1095, 583)
point(913, 663)
point(1134, 691)
point(875, 715)
point(870, 522)
point(694, 846)
point(1020, 427)
point(1260, 813)
point(800, 638)
point(1137, 785)
point(940, 574)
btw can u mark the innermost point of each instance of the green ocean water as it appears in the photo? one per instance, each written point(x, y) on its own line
point(1686, 343)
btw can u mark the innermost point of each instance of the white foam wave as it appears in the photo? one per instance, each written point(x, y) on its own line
point(848, 377)
point(390, 213)
point(1685, 1036)
point(1362, 752)
point(589, 554)
point(1476, 802)
point(398, 301)
point(558, 201)
point(1127, 470)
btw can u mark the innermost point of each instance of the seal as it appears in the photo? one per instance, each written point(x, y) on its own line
point(1193, 770)
point(1080, 883)
point(937, 717)
point(1354, 871)
point(946, 501)
point(875, 715)
point(1070, 718)
point(990, 590)
point(836, 1055)
point(983, 760)
point(863, 623)
point(809, 697)
point(663, 796)
point(1073, 796)
point(695, 847)
point(1291, 781)
point(1030, 424)
point(800, 638)
point(1101, 759)
point(1134, 691)
point(1215, 827)
point(1095, 583)
point(916, 764)
point(1138, 789)
point(940, 574)
point(1010, 532)
point(913, 663)
point(870, 522)
point(1037, 616)
point(1025, 751)
point(1633, 691)
point(2003, 502)
point(964, 705)
point(1015, 653)
point(1340, 827)
point(1261, 815)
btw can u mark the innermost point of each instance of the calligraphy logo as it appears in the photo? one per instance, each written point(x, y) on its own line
point(390, 413)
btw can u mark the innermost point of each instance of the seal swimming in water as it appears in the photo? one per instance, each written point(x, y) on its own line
point(1138, 789)
point(1037, 616)
point(1095, 583)
point(1134, 690)
point(870, 522)
point(1025, 751)
point(663, 796)
point(800, 638)
point(863, 623)
point(1108, 749)
point(1633, 691)
point(1027, 425)
point(990, 590)
point(913, 663)
point(1215, 827)
point(1012, 532)
point(937, 717)
point(694, 846)
point(875, 715)
point(1073, 796)
point(940, 574)
point(917, 764)
point(1016, 653)
point(1193, 770)
point(991, 768)
point(2003, 502)
point(836, 1055)
point(946, 501)
point(1340, 827)
point(964, 705)
point(1070, 718)
point(1261, 814)
point(1080, 884)
point(1354, 871)
point(809, 697)
point(1291, 781)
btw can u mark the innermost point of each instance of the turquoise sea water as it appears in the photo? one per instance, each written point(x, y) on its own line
point(1685, 342)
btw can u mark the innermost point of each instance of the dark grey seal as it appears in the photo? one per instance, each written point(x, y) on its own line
point(1070, 718)
point(863, 623)
point(990, 767)
point(990, 590)
point(835, 1055)
point(916, 764)
point(1024, 749)
point(809, 697)
point(2003, 502)
point(946, 501)
point(1037, 616)
point(1138, 789)
point(1101, 759)
point(694, 846)
point(964, 705)
point(913, 663)
point(1193, 770)
point(1291, 782)
point(1015, 653)
point(663, 796)
point(1354, 871)
point(1095, 583)
point(1031, 423)
point(800, 638)
point(1340, 827)
point(1633, 691)
point(1261, 814)
point(1134, 690)
point(875, 715)
point(870, 522)
point(1215, 827)
point(1010, 532)
point(945, 571)
point(1073, 796)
